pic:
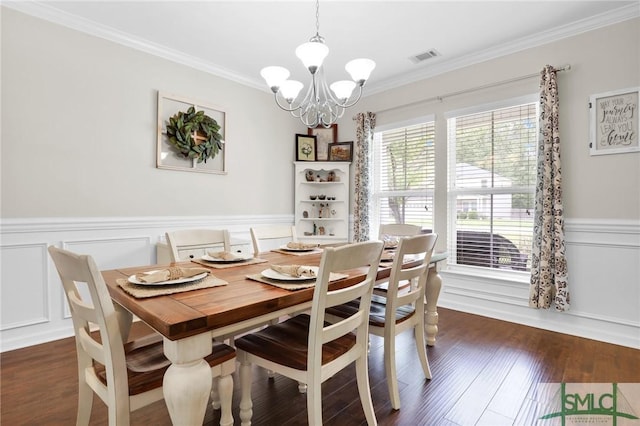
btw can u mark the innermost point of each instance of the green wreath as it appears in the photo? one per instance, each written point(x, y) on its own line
point(181, 129)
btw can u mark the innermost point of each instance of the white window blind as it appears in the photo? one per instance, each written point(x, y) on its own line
point(403, 178)
point(492, 174)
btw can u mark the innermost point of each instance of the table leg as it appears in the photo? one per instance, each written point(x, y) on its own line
point(125, 319)
point(432, 292)
point(187, 382)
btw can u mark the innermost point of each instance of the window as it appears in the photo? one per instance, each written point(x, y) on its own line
point(403, 175)
point(492, 175)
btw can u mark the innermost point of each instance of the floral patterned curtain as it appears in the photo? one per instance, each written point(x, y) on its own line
point(549, 283)
point(365, 123)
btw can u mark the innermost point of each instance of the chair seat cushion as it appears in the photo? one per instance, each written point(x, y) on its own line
point(146, 363)
point(286, 343)
point(377, 312)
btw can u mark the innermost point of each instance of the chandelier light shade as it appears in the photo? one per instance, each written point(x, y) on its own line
point(322, 105)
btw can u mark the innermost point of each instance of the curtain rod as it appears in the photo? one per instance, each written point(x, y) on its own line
point(473, 89)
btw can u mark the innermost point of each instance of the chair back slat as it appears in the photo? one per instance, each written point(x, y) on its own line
point(196, 242)
point(90, 346)
point(343, 327)
point(82, 309)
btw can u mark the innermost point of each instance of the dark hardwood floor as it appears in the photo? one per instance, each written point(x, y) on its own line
point(485, 372)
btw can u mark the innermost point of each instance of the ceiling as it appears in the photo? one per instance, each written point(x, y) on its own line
point(235, 39)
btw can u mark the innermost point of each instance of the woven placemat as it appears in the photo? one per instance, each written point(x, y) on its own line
point(143, 291)
point(298, 253)
point(222, 265)
point(296, 285)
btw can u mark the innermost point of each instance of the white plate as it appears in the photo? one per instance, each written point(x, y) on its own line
point(284, 247)
point(214, 259)
point(134, 280)
point(270, 273)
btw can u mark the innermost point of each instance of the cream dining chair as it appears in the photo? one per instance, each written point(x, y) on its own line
point(388, 231)
point(305, 348)
point(390, 234)
point(125, 375)
point(399, 311)
point(271, 233)
point(190, 243)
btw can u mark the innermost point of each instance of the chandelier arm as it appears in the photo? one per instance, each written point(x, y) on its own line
point(288, 109)
point(348, 104)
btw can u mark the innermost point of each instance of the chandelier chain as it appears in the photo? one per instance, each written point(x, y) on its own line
point(317, 17)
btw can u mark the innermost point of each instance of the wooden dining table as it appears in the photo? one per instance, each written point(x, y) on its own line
point(189, 320)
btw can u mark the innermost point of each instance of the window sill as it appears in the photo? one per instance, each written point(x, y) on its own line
point(506, 276)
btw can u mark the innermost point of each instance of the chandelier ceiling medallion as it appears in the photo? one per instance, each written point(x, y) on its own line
point(320, 106)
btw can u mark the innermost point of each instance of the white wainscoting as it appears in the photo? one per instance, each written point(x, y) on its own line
point(603, 256)
point(33, 308)
point(604, 280)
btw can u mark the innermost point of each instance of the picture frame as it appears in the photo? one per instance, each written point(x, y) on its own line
point(325, 136)
point(341, 151)
point(615, 125)
point(305, 147)
point(167, 157)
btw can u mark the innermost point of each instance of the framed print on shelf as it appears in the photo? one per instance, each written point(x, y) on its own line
point(325, 136)
point(614, 122)
point(341, 151)
point(305, 148)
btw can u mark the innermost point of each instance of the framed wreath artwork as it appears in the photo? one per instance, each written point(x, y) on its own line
point(190, 135)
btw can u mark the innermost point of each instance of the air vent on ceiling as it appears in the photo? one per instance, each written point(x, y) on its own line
point(424, 56)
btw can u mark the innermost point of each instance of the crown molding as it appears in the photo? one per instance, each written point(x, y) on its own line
point(48, 13)
point(43, 11)
point(621, 14)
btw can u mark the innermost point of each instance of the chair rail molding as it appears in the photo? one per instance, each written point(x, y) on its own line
point(113, 242)
point(603, 255)
point(603, 258)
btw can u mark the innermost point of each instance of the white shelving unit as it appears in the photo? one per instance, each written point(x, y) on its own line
point(322, 221)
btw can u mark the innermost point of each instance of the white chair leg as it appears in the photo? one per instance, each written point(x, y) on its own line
point(362, 377)
point(314, 404)
point(421, 344)
point(225, 390)
point(85, 403)
point(390, 369)
point(215, 394)
point(246, 406)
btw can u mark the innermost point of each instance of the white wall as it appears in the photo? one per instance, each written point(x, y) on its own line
point(79, 132)
point(78, 171)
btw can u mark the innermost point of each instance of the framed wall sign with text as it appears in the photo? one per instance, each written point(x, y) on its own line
point(614, 122)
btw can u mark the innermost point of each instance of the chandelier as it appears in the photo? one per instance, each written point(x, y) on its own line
point(320, 106)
